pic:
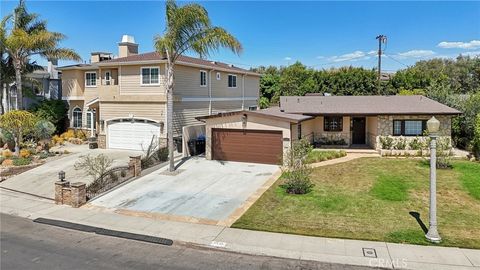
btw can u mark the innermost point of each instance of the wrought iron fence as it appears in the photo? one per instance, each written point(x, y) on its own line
point(108, 180)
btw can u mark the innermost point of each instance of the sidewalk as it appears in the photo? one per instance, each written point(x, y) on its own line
point(353, 252)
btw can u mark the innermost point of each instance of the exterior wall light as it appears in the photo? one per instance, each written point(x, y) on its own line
point(61, 176)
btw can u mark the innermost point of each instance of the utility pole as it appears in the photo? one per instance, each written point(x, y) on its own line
point(381, 39)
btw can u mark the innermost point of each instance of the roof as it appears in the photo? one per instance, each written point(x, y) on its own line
point(363, 105)
point(79, 66)
point(155, 56)
point(273, 112)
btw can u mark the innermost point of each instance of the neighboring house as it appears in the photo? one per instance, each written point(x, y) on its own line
point(336, 121)
point(122, 100)
point(42, 84)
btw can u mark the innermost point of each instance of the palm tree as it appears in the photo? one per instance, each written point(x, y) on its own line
point(188, 28)
point(29, 37)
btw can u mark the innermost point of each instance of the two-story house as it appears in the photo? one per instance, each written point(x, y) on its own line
point(122, 100)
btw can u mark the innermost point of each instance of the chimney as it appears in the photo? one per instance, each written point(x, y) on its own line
point(127, 47)
point(52, 68)
point(96, 57)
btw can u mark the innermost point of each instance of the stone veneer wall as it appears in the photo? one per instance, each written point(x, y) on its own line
point(385, 126)
point(102, 141)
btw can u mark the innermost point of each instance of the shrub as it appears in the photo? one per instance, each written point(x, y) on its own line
point(54, 111)
point(476, 140)
point(400, 144)
point(2, 158)
point(296, 170)
point(6, 138)
point(386, 142)
point(58, 139)
point(44, 155)
point(21, 161)
point(7, 153)
point(18, 123)
point(7, 162)
point(25, 153)
point(94, 166)
point(43, 129)
point(68, 134)
point(415, 144)
point(80, 134)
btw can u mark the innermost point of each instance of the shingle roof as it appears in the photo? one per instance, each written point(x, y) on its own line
point(273, 112)
point(363, 105)
point(155, 56)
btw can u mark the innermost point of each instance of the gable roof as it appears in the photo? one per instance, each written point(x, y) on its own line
point(363, 105)
point(182, 60)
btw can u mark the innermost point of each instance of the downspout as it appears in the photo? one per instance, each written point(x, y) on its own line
point(210, 92)
point(243, 92)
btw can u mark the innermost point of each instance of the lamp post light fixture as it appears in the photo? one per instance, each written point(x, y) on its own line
point(433, 126)
point(61, 176)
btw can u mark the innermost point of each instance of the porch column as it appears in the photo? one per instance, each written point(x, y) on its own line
point(92, 131)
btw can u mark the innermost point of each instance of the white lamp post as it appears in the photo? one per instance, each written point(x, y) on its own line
point(433, 125)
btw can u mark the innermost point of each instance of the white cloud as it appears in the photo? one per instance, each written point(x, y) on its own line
point(354, 56)
point(473, 44)
point(416, 54)
point(372, 52)
point(320, 57)
point(471, 53)
point(287, 58)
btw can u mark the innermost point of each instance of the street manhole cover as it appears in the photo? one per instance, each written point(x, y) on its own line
point(369, 252)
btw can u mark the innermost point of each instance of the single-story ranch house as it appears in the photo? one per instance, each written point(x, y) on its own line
point(263, 136)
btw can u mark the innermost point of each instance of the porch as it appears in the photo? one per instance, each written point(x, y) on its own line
point(339, 131)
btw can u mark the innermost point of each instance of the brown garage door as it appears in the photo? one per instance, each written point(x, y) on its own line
point(258, 146)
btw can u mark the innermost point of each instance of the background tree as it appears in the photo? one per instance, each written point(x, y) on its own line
point(29, 37)
point(188, 28)
point(17, 123)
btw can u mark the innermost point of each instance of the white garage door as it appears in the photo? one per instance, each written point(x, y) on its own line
point(131, 135)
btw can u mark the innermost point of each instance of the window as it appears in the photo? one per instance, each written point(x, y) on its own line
point(77, 118)
point(232, 81)
point(252, 108)
point(333, 123)
point(90, 115)
point(219, 77)
point(107, 78)
point(203, 78)
point(409, 127)
point(90, 79)
point(150, 76)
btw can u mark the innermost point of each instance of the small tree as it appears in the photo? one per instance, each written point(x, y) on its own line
point(17, 123)
point(296, 170)
point(476, 139)
point(94, 166)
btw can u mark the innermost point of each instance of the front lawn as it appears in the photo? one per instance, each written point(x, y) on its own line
point(375, 199)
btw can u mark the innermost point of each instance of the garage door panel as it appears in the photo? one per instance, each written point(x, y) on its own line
point(259, 146)
point(131, 135)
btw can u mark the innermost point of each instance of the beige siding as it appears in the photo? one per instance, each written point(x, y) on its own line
point(130, 81)
point(220, 87)
point(72, 83)
point(223, 106)
point(184, 114)
point(187, 82)
point(154, 111)
point(252, 86)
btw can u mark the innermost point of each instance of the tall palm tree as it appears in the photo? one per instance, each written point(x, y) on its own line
point(188, 28)
point(29, 37)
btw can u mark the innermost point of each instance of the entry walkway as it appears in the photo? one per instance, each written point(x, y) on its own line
point(351, 252)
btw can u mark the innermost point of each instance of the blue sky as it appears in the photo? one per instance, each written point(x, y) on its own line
point(319, 34)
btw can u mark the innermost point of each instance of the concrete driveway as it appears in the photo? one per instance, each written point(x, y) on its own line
point(41, 180)
point(203, 191)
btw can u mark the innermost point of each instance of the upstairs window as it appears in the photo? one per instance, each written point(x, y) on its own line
point(333, 123)
point(150, 76)
point(90, 79)
point(108, 78)
point(409, 127)
point(232, 81)
point(203, 78)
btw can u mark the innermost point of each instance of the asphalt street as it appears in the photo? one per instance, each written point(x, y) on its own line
point(28, 245)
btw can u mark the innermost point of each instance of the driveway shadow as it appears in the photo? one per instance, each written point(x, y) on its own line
point(416, 216)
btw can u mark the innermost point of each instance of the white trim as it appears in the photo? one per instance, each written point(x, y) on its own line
point(73, 98)
point(218, 76)
point(110, 77)
point(91, 102)
point(85, 77)
point(210, 93)
point(129, 118)
point(217, 98)
point(81, 117)
point(206, 78)
point(149, 84)
point(236, 84)
point(120, 79)
point(243, 91)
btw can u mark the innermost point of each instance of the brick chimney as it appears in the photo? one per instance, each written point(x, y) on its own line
point(127, 46)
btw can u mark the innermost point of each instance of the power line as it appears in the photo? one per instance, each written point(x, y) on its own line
point(393, 58)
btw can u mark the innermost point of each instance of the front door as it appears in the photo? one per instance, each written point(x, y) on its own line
point(358, 130)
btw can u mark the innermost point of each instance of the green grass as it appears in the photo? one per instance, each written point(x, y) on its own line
point(371, 199)
point(470, 177)
point(390, 187)
point(319, 155)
